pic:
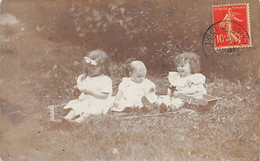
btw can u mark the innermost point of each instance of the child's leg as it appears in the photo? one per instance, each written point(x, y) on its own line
point(71, 115)
point(82, 117)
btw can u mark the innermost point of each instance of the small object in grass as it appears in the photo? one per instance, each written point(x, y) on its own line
point(51, 112)
point(146, 103)
point(203, 101)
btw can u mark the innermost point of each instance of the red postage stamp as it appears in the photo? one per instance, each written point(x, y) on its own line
point(231, 26)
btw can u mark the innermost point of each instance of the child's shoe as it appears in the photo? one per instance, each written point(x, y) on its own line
point(146, 103)
point(129, 110)
point(145, 109)
point(163, 108)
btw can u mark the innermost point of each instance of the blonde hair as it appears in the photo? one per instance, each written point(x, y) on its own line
point(191, 58)
point(101, 58)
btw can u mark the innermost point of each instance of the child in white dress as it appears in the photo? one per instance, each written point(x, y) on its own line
point(186, 81)
point(134, 91)
point(95, 87)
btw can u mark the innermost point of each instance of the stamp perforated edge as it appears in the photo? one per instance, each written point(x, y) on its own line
point(248, 23)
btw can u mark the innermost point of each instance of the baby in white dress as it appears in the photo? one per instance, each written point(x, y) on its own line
point(135, 90)
point(186, 81)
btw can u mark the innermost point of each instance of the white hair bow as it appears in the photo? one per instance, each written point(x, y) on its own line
point(90, 61)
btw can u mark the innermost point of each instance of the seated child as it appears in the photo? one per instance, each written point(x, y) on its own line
point(135, 91)
point(185, 81)
point(96, 89)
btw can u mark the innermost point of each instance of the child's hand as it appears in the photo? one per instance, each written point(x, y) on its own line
point(87, 92)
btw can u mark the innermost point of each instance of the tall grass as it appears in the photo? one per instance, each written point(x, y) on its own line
point(229, 131)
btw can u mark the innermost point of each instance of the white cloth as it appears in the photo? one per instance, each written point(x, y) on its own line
point(133, 93)
point(197, 81)
point(88, 103)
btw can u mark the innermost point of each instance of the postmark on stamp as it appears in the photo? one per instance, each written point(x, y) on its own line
point(230, 31)
point(231, 26)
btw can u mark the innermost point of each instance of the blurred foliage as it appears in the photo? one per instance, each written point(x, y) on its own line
point(152, 31)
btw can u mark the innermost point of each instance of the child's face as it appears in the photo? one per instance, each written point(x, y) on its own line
point(138, 74)
point(184, 69)
point(94, 70)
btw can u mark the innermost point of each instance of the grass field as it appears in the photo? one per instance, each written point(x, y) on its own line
point(229, 131)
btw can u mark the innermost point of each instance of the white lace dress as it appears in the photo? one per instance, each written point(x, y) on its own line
point(88, 103)
point(133, 93)
point(196, 81)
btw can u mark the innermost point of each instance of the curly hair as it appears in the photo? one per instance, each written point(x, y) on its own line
point(102, 59)
point(190, 57)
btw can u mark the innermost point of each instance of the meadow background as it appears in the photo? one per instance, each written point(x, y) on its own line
point(42, 46)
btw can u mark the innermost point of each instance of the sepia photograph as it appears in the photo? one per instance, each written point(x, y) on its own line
point(129, 80)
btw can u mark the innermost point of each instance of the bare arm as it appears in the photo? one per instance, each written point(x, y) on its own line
point(97, 94)
point(118, 97)
point(80, 84)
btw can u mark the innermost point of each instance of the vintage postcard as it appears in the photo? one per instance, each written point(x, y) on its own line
point(126, 80)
